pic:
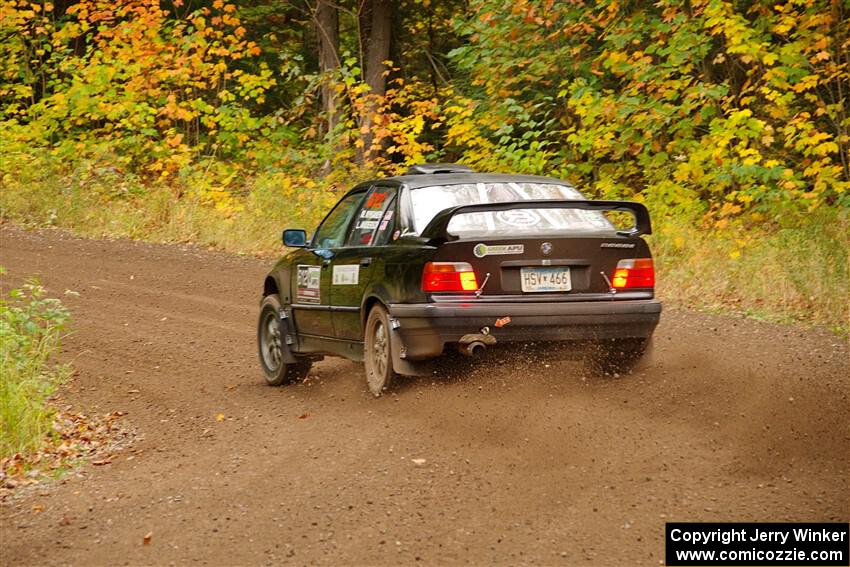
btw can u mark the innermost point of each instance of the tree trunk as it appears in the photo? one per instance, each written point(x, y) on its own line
point(377, 52)
point(327, 30)
point(378, 48)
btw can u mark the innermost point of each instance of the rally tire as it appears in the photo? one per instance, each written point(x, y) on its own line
point(271, 343)
point(378, 361)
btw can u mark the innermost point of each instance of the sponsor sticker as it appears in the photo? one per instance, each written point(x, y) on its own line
point(309, 279)
point(346, 275)
point(482, 249)
point(370, 214)
point(367, 225)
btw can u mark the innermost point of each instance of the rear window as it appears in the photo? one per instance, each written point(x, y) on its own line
point(428, 201)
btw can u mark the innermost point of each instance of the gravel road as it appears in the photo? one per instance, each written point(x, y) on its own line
point(519, 461)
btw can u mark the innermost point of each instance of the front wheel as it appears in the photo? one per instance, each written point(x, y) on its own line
point(271, 344)
point(378, 351)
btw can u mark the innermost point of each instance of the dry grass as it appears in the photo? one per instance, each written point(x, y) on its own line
point(792, 274)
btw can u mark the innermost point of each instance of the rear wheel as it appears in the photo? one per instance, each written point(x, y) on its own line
point(618, 356)
point(271, 344)
point(378, 351)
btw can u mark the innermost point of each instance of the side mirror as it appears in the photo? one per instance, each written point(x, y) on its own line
point(294, 238)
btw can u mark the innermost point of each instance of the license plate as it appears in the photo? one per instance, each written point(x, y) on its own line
point(545, 279)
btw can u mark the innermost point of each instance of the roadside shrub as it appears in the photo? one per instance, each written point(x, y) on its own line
point(31, 329)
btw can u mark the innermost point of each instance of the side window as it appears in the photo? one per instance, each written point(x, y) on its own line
point(331, 233)
point(375, 218)
point(388, 222)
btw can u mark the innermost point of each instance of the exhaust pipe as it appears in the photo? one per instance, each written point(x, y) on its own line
point(473, 350)
point(474, 344)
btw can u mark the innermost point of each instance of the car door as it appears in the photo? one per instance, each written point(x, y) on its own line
point(353, 265)
point(311, 269)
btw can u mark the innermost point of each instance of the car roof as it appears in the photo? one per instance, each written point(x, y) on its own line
point(431, 179)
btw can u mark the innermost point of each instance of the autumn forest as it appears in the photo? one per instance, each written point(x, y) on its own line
point(220, 123)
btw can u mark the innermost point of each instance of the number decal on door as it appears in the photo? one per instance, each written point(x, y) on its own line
point(309, 279)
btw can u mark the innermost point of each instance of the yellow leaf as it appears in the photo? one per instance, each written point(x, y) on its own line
point(219, 417)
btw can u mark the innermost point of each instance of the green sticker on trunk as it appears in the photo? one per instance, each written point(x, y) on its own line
point(482, 249)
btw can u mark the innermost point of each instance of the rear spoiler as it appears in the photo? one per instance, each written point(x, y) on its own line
point(437, 228)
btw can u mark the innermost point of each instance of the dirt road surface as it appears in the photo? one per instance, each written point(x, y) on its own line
point(527, 462)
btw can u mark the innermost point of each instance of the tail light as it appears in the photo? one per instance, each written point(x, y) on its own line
point(634, 273)
point(449, 276)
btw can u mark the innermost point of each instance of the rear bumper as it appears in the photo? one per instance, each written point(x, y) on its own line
point(425, 328)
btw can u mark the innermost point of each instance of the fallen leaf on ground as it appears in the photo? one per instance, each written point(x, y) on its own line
point(147, 539)
point(219, 417)
point(304, 415)
point(74, 438)
point(418, 462)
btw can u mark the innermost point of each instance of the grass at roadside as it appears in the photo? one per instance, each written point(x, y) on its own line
point(31, 329)
point(106, 203)
point(797, 274)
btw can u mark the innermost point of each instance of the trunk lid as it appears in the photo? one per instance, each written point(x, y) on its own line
point(544, 268)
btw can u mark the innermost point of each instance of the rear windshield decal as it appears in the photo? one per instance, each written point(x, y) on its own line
point(519, 217)
point(346, 275)
point(309, 278)
point(482, 249)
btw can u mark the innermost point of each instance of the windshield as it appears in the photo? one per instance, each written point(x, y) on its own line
point(428, 201)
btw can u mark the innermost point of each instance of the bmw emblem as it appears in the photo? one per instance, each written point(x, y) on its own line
point(546, 248)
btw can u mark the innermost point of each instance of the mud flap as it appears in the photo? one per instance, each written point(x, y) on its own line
point(400, 364)
point(287, 335)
